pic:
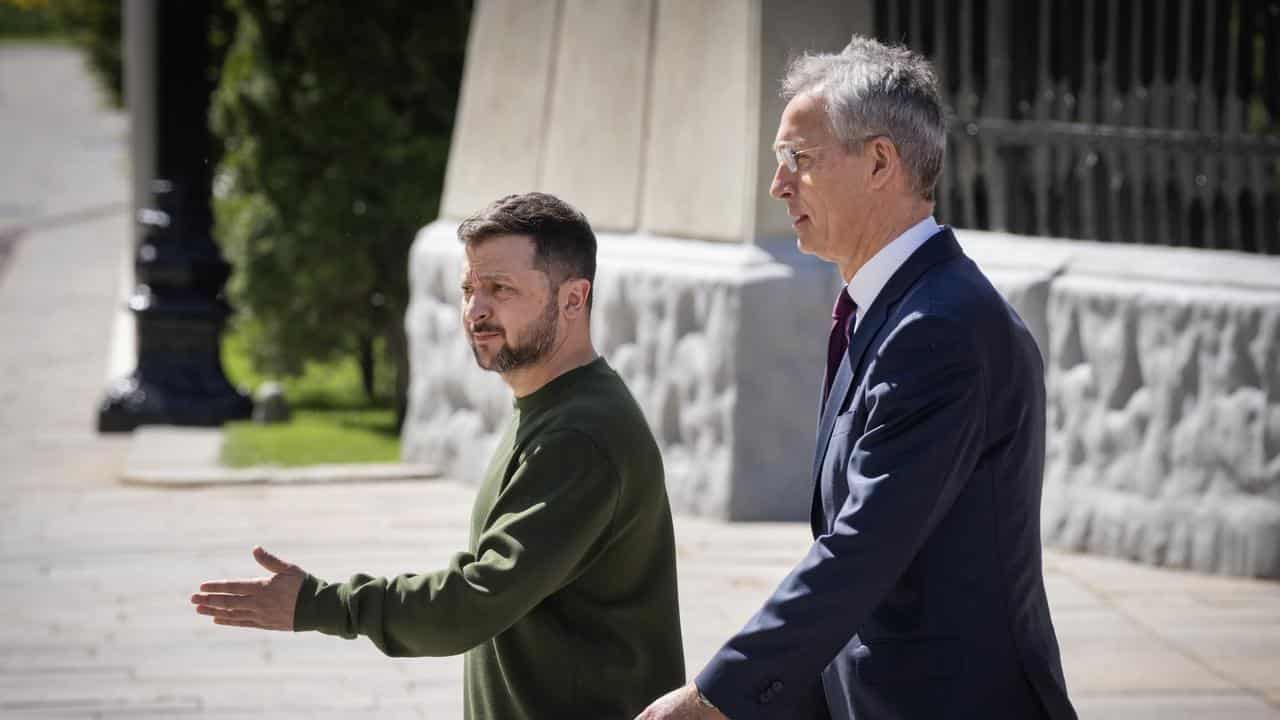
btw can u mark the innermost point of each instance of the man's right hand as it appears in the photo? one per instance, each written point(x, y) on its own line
point(266, 602)
point(680, 704)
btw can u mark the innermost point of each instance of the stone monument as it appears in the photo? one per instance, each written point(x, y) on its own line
point(655, 118)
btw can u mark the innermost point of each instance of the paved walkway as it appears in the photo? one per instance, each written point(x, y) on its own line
point(97, 572)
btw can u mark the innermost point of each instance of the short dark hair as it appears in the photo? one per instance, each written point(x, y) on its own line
point(563, 244)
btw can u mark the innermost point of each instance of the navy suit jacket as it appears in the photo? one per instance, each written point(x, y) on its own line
point(922, 595)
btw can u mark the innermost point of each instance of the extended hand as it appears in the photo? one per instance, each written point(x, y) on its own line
point(266, 603)
point(680, 704)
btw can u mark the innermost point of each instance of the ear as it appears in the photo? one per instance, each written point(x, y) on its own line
point(573, 297)
point(885, 162)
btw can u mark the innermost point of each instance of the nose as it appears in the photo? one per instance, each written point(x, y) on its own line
point(475, 310)
point(781, 187)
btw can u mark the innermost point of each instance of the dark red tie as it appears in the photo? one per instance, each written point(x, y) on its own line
point(841, 323)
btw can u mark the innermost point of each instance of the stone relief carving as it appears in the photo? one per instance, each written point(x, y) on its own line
point(1164, 424)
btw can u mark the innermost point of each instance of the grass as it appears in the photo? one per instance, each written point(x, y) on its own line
point(332, 420)
point(314, 436)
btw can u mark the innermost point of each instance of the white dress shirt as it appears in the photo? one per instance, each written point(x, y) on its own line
point(872, 277)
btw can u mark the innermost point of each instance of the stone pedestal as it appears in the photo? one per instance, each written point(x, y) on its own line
point(655, 118)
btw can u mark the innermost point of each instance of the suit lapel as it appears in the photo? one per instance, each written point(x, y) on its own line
point(942, 246)
point(839, 389)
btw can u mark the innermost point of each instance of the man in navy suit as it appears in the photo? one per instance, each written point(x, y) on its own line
point(922, 595)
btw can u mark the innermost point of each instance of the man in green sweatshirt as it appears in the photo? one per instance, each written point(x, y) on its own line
point(565, 600)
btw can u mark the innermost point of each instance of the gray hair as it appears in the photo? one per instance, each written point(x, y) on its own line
point(875, 89)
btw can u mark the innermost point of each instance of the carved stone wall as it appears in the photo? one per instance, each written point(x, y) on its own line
point(1164, 398)
point(1164, 419)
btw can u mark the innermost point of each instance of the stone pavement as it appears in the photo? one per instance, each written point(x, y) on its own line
point(97, 620)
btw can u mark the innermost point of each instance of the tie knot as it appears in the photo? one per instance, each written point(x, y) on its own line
point(844, 307)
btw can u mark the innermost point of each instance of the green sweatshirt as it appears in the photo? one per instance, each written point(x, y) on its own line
point(565, 603)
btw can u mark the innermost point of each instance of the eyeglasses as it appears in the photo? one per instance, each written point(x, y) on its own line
point(790, 157)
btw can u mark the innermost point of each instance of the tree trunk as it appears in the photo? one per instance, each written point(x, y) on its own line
point(398, 353)
point(368, 365)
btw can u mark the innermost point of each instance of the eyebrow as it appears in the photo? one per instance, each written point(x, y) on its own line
point(789, 143)
point(492, 275)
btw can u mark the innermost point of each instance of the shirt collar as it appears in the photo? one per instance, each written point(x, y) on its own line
point(874, 275)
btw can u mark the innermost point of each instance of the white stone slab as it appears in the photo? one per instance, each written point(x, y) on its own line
point(596, 128)
point(502, 109)
point(701, 148)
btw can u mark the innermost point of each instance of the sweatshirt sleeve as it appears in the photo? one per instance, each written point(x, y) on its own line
point(545, 526)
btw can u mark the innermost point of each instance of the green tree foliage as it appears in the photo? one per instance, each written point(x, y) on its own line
point(335, 119)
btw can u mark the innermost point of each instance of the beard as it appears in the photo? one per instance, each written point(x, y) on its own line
point(531, 346)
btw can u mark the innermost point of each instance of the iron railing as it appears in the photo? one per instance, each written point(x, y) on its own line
point(1138, 121)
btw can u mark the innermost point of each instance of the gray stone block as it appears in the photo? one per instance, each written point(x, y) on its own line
point(654, 116)
point(784, 323)
point(501, 117)
point(698, 173)
point(595, 131)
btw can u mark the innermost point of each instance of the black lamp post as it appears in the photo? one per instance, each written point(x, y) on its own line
point(177, 300)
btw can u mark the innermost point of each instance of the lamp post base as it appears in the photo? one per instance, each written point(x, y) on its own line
point(180, 396)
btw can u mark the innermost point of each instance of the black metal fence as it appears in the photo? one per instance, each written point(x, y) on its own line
point(1137, 121)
